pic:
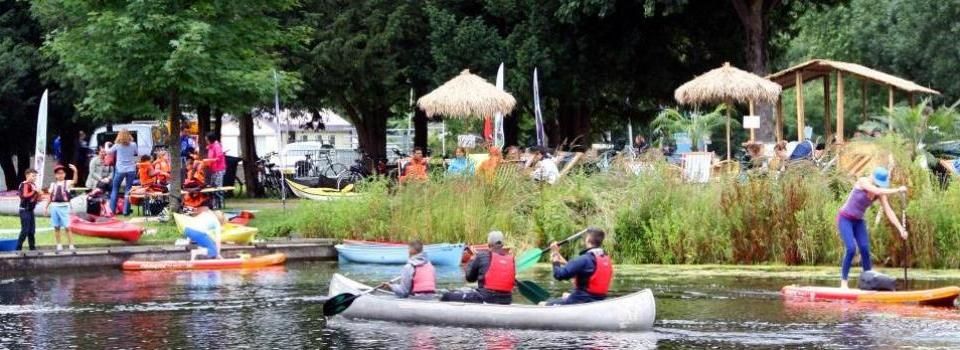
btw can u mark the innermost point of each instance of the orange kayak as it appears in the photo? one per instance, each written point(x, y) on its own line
point(208, 264)
point(944, 296)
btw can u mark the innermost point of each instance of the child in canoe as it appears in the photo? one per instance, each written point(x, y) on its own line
point(850, 223)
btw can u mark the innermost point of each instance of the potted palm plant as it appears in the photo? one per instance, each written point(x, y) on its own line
point(696, 125)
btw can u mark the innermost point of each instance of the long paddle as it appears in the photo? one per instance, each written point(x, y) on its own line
point(903, 221)
point(530, 257)
point(342, 301)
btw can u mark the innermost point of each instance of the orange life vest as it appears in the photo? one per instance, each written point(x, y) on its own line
point(424, 279)
point(500, 274)
point(143, 171)
point(599, 282)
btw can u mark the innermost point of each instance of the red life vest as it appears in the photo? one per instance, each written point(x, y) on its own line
point(424, 279)
point(599, 282)
point(500, 274)
point(60, 194)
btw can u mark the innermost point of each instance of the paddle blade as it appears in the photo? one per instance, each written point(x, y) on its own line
point(533, 291)
point(528, 259)
point(338, 304)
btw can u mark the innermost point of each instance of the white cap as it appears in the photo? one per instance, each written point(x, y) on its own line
point(494, 237)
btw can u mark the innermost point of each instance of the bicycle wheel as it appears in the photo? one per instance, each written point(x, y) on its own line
point(334, 170)
point(348, 178)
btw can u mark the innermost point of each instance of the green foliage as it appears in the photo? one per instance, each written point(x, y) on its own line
point(696, 125)
point(918, 125)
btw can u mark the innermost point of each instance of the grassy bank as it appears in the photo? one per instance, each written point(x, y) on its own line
point(652, 218)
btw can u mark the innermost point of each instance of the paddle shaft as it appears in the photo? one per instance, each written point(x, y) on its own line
point(565, 241)
point(343, 301)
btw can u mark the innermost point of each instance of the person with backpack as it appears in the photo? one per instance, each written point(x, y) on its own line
point(59, 205)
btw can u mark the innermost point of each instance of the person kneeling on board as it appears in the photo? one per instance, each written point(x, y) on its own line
point(418, 279)
point(495, 273)
point(591, 272)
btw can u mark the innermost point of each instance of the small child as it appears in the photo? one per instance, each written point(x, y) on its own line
point(29, 196)
point(161, 168)
point(145, 172)
point(59, 205)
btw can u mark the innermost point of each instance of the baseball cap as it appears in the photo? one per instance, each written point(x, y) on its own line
point(495, 237)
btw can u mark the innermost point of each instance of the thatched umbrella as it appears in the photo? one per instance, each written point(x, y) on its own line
point(727, 85)
point(466, 95)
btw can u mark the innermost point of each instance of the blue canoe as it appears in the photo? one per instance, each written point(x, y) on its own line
point(443, 254)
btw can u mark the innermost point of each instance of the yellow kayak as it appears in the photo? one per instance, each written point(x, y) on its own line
point(230, 233)
point(320, 193)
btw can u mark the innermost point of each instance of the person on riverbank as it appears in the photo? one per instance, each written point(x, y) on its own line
point(161, 165)
point(59, 205)
point(460, 165)
point(218, 166)
point(99, 170)
point(488, 169)
point(545, 169)
point(850, 223)
point(29, 196)
point(494, 272)
point(416, 168)
point(418, 279)
point(124, 150)
point(591, 271)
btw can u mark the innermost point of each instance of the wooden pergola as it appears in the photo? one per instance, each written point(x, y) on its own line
point(822, 69)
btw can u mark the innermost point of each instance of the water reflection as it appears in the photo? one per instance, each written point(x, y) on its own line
point(281, 308)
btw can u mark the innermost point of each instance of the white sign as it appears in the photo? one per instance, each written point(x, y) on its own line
point(466, 141)
point(751, 122)
point(40, 153)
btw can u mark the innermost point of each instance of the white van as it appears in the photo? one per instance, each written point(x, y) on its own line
point(146, 134)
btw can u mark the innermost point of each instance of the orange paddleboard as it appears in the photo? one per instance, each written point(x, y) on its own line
point(206, 264)
point(944, 296)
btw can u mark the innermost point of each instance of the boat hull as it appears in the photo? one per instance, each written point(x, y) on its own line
point(319, 194)
point(633, 312)
point(444, 254)
point(109, 228)
point(208, 264)
point(935, 297)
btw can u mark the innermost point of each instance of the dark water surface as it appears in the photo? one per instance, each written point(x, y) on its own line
point(280, 308)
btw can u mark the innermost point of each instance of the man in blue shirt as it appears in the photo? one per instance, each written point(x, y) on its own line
point(591, 271)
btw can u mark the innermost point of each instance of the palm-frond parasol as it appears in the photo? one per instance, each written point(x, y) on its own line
point(466, 95)
point(727, 85)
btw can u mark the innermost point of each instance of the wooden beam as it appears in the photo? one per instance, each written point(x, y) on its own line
point(779, 118)
point(863, 100)
point(839, 107)
point(827, 124)
point(890, 105)
point(752, 133)
point(729, 106)
point(800, 105)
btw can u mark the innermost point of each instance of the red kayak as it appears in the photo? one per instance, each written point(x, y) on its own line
point(96, 226)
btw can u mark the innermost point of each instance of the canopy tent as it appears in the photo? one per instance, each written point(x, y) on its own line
point(822, 69)
point(727, 85)
point(465, 96)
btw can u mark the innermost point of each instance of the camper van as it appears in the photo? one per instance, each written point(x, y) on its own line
point(147, 134)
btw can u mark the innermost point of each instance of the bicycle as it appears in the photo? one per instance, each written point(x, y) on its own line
point(322, 166)
point(268, 176)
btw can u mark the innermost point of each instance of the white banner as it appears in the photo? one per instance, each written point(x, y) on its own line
point(498, 137)
point(538, 115)
point(40, 153)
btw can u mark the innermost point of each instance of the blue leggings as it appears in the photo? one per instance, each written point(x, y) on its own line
point(854, 235)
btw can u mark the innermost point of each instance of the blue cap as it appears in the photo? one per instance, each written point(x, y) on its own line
point(881, 177)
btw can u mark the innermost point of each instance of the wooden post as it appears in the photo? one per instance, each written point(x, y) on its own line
point(800, 105)
point(827, 126)
point(779, 118)
point(839, 107)
point(752, 134)
point(890, 105)
point(729, 105)
point(863, 99)
point(913, 103)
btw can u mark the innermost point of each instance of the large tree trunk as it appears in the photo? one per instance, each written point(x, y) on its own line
point(511, 130)
point(372, 132)
point(9, 172)
point(248, 151)
point(754, 16)
point(203, 125)
point(217, 122)
point(173, 140)
point(575, 126)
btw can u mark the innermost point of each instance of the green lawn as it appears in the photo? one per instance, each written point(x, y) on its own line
point(269, 219)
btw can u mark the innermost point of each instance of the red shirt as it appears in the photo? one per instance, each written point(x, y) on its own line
point(215, 152)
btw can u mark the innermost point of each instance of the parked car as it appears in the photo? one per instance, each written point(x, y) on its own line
point(145, 133)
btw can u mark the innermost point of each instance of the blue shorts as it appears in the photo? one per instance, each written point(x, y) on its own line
point(60, 215)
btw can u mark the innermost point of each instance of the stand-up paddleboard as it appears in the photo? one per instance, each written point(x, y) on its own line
point(944, 296)
point(206, 264)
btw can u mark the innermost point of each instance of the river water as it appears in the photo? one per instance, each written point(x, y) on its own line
point(280, 308)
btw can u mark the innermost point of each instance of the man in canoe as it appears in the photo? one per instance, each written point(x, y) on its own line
point(850, 223)
point(495, 273)
point(418, 278)
point(591, 271)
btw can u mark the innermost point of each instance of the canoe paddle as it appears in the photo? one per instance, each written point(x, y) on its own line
point(530, 257)
point(532, 291)
point(342, 301)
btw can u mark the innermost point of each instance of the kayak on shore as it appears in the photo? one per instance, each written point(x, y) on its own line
point(207, 264)
point(444, 254)
point(944, 296)
point(104, 227)
point(632, 312)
